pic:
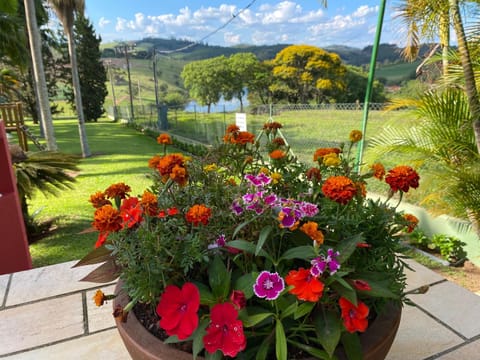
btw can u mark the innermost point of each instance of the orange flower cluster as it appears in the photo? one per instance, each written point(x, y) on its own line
point(277, 154)
point(340, 189)
point(164, 139)
point(149, 203)
point(355, 136)
point(311, 229)
point(378, 171)
point(198, 214)
point(321, 152)
point(154, 161)
point(107, 219)
point(233, 135)
point(402, 178)
point(412, 222)
point(172, 166)
point(119, 190)
point(98, 200)
point(278, 141)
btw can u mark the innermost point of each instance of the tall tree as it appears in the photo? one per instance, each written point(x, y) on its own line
point(66, 11)
point(39, 74)
point(92, 73)
point(242, 68)
point(12, 39)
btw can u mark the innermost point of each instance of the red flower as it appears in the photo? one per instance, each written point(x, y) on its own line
point(178, 310)
point(131, 212)
point(361, 285)
point(403, 178)
point(172, 211)
point(237, 297)
point(102, 238)
point(412, 221)
point(354, 317)
point(225, 331)
point(306, 286)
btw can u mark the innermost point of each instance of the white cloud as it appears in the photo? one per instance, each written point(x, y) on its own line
point(102, 22)
point(231, 38)
point(282, 12)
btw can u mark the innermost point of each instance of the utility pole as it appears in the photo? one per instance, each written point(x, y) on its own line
point(110, 66)
point(155, 79)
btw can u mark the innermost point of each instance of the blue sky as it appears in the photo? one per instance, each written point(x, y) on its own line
point(350, 23)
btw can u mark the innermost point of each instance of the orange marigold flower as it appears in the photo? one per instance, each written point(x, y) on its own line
point(107, 218)
point(179, 175)
point(361, 188)
point(245, 137)
point(173, 166)
point(272, 125)
point(99, 298)
point(402, 178)
point(119, 190)
point(311, 229)
point(154, 161)
point(321, 152)
point(164, 139)
point(277, 154)
point(149, 203)
point(355, 136)
point(339, 188)
point(232, 128)
point(305, 286)
point(314, 174)
point(378, 171)
point(198, 214)
point(412, 222)
point(98, 200)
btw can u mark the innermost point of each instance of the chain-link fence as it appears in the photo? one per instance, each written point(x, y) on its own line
point(306, 127)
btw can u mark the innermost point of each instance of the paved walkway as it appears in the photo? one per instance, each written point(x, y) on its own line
point(46, 313)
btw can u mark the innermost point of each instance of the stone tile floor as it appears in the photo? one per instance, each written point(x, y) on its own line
point(46, 313)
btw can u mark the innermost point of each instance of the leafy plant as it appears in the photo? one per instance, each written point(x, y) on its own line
point(450, 247)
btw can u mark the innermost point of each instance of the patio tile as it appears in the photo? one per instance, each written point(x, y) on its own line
point(48, 281)
point(100, 318)
point(3, 287)
point(419, 336)
point(104, 345)
point(40, 323)
point(454, 305)
point(469, 351)
point(420, 276)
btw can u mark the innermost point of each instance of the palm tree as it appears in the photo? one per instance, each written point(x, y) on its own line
point(39, 74)
point(65, 11)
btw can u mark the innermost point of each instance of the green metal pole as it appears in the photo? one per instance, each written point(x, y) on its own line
point(371, 76)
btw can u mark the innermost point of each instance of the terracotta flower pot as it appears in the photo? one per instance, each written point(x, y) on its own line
point(142, 345)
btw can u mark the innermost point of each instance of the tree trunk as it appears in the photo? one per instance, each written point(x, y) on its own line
point(470, 86)
point(78, 95)
point(39, 75)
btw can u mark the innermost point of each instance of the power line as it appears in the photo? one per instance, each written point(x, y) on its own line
point(234, 16)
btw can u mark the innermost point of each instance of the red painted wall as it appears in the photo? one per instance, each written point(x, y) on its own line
point(14, 252)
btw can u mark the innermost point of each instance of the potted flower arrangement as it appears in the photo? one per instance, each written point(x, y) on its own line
point(241, 255)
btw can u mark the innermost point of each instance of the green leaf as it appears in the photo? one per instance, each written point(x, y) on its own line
point(262, 352)
point(248, 247)
point(304, 309)
point(379, 285)
point(300, 252)
point(206, 296)
point(219, 278)
point(217, 355)
point(352, 346)
point(241, 226)
point(280, 341)
point(319, 354)
point(245, 284)
point(262, 238)
point(345, 290)
point(255, 319)
point(198, 335)
point(347, 247)
point(290, 310)
point(328, 327)
point(95, 256)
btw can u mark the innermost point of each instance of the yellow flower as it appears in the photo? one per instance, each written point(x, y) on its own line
point(264, 170)
point(331, 159)
point(276, 177)
point(355, 136)
point(210, 167)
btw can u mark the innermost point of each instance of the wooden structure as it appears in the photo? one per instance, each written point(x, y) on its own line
point(14, 252)
point(12, 115)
